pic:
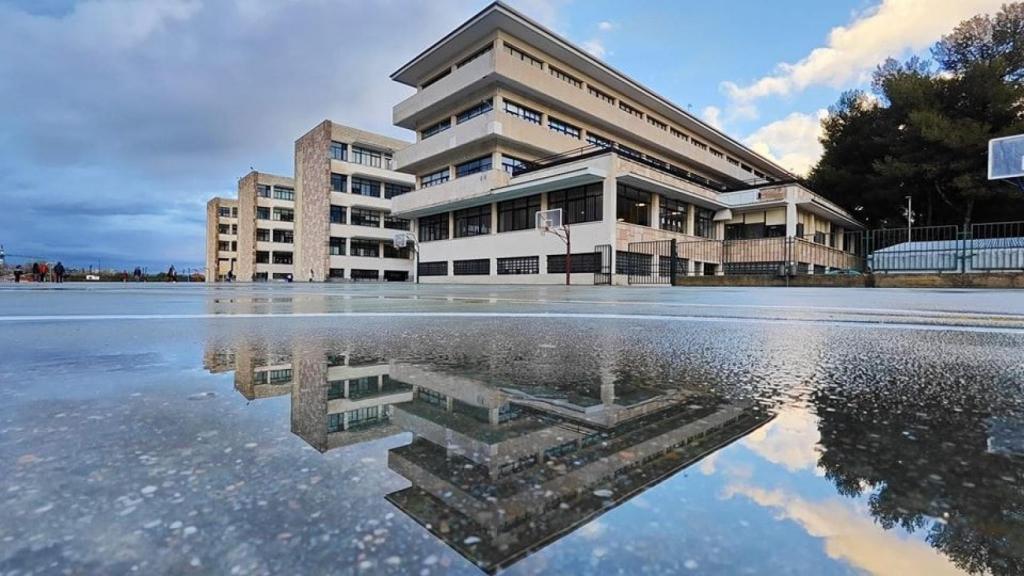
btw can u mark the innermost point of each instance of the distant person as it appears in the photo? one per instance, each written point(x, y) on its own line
point(58, 272)
point(230, 277)
point(137, 274)
point(124, 276)
point(17, 273)
point(35, 271)
point(310, 274)
point(288, 278)
point(44, 271)
point(172, 274)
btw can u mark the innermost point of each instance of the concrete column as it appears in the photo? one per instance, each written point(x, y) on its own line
point(655, 210)
point(791, 219)
point(691, 217)
point(609, 193)
point(493, 416)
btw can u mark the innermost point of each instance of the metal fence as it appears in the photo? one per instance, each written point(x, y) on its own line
point(988, 247)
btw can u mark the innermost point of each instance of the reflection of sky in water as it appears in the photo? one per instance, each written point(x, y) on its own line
point(121, 453)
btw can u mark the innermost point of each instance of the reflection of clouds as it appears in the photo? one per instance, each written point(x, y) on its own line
point(592, 530)
point(790, 440)
point(707, 465)
point(850, 535)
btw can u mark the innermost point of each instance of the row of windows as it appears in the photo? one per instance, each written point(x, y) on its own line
point(477, 267)
point(582, 263)
point(522, 112)
point(227, 228)
point(282, 193)
point(263, 257)
point(625, 107)
point(227, 246)
point(226, 212)
point(435, 178)
point(474, 166)
point(564, 128)
point(277, 214)
point(474, 221)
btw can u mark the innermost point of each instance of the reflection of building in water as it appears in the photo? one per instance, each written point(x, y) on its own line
point(498, 472)
point(339, 401)
point(497, 478)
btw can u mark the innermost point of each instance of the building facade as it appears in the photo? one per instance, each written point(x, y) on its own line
point(221, 238)
point(512, 119)
point(266, 227)
point(332, 222)
point(345, 185)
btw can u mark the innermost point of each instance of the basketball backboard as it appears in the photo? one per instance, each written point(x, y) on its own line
point(1006, 158)
point(549, 220)
point(402, 239)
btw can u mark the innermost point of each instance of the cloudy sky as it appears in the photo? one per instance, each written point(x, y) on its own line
point(121, 118)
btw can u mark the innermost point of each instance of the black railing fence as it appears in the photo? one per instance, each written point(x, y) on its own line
point(988, 247)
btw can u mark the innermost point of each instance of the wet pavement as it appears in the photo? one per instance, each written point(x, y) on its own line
point(287, 429)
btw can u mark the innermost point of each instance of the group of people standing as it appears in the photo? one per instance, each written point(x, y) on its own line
point(41, 272)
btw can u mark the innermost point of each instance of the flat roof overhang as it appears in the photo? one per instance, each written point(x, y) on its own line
point(819, 208)
point(530, 185)
point(652, 185)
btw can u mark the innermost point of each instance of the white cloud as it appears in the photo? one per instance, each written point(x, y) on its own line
point(713, 116)
point(789, 440)
point(792, 142)
point(893, 28)
point(850, 535)
point(606, 26)
point(594, 47)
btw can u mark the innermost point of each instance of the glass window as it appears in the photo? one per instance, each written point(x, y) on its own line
point(433, 227)
point(365, 187)
point(656, 123)
point(582, 262)
point(481, 108)
point(564, 128)
point(396, 223)
point(704, 223)
point(672, 215)
point(599, 141)
point(263, 191)
point(391, 189)
point(366, 248)
point(485, 50)
point(633, 206)
point(284, 214)
point(337, 214)
point(262, 235)
point(337, 246)
point(522, 112)
point(630, 110)
point(477, 267)
point(565, 77)
point(432, 269)
point(364, 217)
point(579, 204)
point(282, 258)
point(357, 274)
point(434, 178)
point(599, 94)
point(369, 157)
point(473, 221)
point(262, 257)
point(436, 128)
point(520, 55)
point(391, 252)
point(473, 166)
point(339, 151)
point(338, 182)
point(519, 265)
point(262, 213)
point(679, 134)
point(283, 193)
point(512, 165)
point(224, 212)
point(223, 228)
point(518, 214)
point(283, 236)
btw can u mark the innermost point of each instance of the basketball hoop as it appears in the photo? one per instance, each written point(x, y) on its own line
point(402, 239)
point(1006, 160)
point(549, 221)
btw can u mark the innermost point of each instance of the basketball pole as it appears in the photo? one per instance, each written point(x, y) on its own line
point(568, 256)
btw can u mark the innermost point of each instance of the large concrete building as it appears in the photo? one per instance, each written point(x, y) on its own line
point(332, 222)
point(221, 238)
point(511, 119)
point(345, 182)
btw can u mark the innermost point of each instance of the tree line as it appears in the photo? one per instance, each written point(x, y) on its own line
point(922, 130)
